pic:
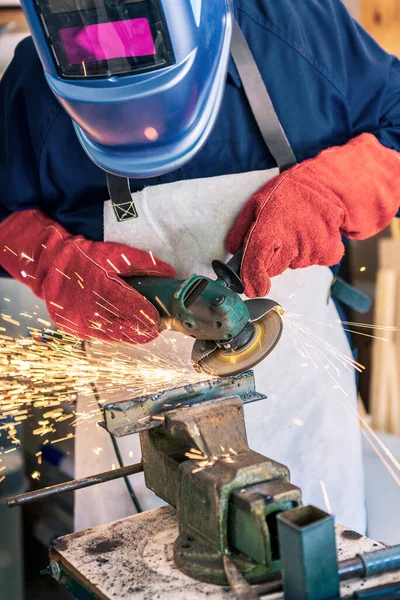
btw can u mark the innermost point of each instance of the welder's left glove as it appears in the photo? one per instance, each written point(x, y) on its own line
point(298, 218)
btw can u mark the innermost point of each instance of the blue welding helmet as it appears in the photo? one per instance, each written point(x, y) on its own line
point(143, 80)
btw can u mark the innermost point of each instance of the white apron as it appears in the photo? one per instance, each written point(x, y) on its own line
point(306, 422)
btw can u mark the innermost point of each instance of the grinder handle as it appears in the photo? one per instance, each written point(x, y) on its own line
point(229, 273)
point(236, 261)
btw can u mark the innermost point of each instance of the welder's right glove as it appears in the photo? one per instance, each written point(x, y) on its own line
point(80, 280)
point(298, 219)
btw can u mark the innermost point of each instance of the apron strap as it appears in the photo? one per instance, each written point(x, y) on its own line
point(260, 101)
point(120, 194)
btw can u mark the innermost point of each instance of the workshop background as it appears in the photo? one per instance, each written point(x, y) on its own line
point(372, 266)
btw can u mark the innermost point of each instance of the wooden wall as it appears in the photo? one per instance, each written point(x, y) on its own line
point(381, 18)
point(354, 7)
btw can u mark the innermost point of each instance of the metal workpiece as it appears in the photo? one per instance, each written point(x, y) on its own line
point(371, 564)
point(308, 554)
point(134, 415)
point(221, 492)
point(75, 484)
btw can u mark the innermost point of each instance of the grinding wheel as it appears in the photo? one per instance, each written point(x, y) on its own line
point(267, 333)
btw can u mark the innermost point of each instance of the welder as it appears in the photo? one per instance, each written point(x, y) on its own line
point(281, 138)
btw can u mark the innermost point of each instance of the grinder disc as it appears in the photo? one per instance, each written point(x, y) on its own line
point(267, 333)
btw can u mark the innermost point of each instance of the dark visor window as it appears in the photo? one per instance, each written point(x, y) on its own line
point(101, 38)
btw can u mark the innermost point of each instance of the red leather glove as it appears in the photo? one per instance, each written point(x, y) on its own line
point(80, 280)
point(297, 219)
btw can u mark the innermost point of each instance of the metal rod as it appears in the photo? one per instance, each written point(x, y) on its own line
point(75, 484)
point(351, 568)
point(370, 564)
point(381, 561)
point(388, 591)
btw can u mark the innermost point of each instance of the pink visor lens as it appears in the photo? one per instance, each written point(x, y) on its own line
point(104, 41)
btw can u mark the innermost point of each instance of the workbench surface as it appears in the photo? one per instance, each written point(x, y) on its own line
point(132, 559)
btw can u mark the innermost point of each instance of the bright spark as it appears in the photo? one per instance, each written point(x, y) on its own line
point(113, 266)
point(64, 274)
point(57, 305)
point(163, 306)
point(202, 461)
point(152, 257)
point(41, 376)
point(10, 320)
point(326, 497)
point(44, 322)
point(28, 258)
point(323, 355)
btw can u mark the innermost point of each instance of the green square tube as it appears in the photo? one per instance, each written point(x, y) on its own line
point(308, 554)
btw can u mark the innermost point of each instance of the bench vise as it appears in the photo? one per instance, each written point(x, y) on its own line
point(196, 457)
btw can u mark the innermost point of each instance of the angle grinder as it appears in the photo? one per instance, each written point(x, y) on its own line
point(232, 335)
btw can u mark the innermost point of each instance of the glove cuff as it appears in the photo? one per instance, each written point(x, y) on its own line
point(26, 238)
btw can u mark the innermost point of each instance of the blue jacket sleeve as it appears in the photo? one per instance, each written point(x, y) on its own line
point(373, 89)
point(368, 76)
point(20, 143)
point(381, 102)
point(24, 120)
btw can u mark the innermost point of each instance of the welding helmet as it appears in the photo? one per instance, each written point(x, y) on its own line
point(143, 80)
